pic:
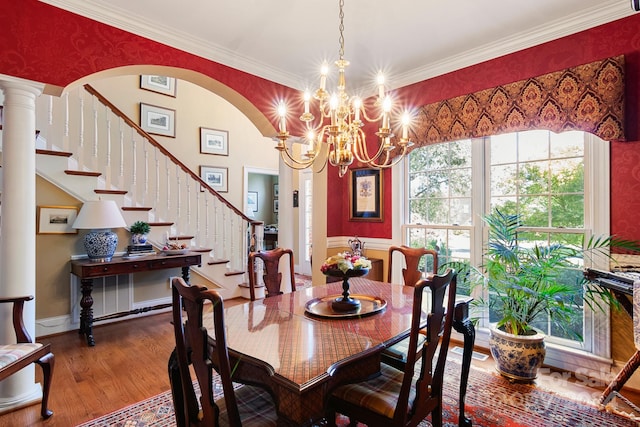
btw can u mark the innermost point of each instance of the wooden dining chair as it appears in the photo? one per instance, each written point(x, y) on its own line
point(246, 406)
point(14, 357)
point(272, 276)
point(396, 355)
point(412, 258)
point(405, 398)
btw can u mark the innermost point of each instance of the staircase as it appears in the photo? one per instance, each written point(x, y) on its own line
point(90, 149)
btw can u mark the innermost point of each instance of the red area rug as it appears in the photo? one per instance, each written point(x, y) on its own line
point(491, 402)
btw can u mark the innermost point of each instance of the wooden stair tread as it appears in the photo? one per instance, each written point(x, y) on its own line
point(160, 224)
point(82, 173)
point(135, 208)
point(202, 250)
point(217, 261)
point(234, 272)
point(53, 153)
point(181, 237)
point(102, 191)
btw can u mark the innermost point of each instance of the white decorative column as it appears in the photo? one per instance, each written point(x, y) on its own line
point(18, 226)
point(285, 219)
point(319, 223)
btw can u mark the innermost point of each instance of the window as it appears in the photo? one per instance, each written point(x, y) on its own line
point(542, 175)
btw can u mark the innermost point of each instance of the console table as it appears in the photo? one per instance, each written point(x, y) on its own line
point(87, 270)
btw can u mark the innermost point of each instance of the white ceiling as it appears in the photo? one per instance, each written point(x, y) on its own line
point(286, 41)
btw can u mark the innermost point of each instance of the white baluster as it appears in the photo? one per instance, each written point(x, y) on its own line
point(65, 143)
point(146, 172)
point(157, 203)
point(178, 199)
point(121, 162)
point(107, 163)
point(81, 130)
point(134, 165)
point(95, 128)
point(168, 183)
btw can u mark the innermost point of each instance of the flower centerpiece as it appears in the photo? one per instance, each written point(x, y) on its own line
point(345, 265)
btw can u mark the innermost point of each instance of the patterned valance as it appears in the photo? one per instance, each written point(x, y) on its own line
point(588, 97)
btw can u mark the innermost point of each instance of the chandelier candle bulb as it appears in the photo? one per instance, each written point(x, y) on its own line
point(357, 103)
point(324, 70)
point(282, 112)
point(405, 126)
point(333, 106)
point(307, 98)
point(380, 86)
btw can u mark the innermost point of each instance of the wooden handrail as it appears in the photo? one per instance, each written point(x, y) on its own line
point(163, 150)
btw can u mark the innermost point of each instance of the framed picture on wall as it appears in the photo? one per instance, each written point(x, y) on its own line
point(365, 196)
point(276, 191)
point(275, 206)
point(159, 84)
point(158, 120)
point(252, 201)
point(215, 177)
point(56, 219)
point(214, 141)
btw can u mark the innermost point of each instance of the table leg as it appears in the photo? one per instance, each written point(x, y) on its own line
point(185, 274)
point(462, 323)
point(86, 314)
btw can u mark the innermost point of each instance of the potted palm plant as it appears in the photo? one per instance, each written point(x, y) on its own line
point(139, 231)
point(529, 285)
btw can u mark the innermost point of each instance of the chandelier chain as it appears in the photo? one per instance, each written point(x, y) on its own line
point(341, 39)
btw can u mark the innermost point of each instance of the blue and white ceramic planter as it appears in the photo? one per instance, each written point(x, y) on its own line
point(138, 239)
point(517, 357)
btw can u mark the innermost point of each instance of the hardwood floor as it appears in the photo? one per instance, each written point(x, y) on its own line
point(129, 364)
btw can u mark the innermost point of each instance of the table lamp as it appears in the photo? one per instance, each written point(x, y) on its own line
point(100, 216)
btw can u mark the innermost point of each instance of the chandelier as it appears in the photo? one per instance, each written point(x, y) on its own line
point(336, 136)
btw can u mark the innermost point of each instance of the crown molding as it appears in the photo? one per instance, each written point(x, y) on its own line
point(607, 11)
point(118, 18)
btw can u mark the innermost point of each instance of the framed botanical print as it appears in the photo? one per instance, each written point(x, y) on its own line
point(365, 198)
point(215, 177)
point(57, 219)
point(252, 201)
point(214, 141)
point(158, 120)
point(159, 84)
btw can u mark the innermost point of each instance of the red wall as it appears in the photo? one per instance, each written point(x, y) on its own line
point(619, 37)
point(42, 43)
point(49, 45)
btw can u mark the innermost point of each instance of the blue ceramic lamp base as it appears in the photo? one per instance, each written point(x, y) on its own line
point(100, 245)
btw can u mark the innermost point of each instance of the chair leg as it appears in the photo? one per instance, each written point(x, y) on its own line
point(46, 363)
point(436, 416)
point(331, 419)
point(176, 390)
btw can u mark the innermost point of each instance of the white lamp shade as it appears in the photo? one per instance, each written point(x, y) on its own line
point(99, 214)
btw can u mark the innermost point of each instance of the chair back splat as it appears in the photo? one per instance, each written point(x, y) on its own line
point(400, 398)
point(412, 257)
point(272, 276)
point(196, 347)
